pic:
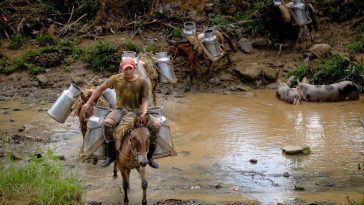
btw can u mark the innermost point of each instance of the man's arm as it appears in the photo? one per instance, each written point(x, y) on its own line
point(95, 95)
point(144, 106)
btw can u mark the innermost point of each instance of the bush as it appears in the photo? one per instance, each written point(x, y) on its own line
point(46, 40)
point(39, 181)
point(16, 41)
point(152, 49)
point(101, 57)
point(132, 46)
point(176, 32)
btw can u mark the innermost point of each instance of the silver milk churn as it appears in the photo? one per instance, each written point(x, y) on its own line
point(211, 43)
point(128, 54)
point(110, 97)
point(189, 28)
point(299, 9)
point(165, 145)
point(277, 2)
point(95, 129)
point(61, 109)
point(166, 73)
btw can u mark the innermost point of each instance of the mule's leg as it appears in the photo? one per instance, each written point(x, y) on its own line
point(116, 167)
point(125, 173)
point(141, 172)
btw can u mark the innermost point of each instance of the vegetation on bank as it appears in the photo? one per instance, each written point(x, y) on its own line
point(40, 180)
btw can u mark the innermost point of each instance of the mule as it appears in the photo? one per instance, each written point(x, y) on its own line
point(133, 155)
point(189, 51)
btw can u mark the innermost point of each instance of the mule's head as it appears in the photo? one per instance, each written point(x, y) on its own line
point(140, 140)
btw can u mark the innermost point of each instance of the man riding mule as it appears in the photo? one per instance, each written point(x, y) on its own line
point(132, 103)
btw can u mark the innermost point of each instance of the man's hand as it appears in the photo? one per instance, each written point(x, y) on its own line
point(87, 109)
point(144, 118)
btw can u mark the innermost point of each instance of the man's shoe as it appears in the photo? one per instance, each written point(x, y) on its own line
point(153, 164)
point(111, 154)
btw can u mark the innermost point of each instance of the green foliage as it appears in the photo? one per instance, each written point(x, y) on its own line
point(39, 181)
point(356, 47)
point(253, 28)
point(331, 70)
point(257, 6)
point(15, 65)
point(152, 49)
point(132, 46)
point(101, 57)
point(219, 20)
point(176, 32)
point(46, 40)
point(301, 71)
point(33, 69)
point(16, 41)
point(353, 202)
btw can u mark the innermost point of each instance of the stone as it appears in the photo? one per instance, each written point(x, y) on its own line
point(362, 120)
point(260, 42)
point(269, 73)
point(245, 45)
point(42, 80)
point(320, 50)
point(250, 72)
point(77, 80)
point(243, 88)
point(253, 161)
point(296, 150)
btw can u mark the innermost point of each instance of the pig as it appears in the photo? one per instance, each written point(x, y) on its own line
point(342, 91)
point(287, 94)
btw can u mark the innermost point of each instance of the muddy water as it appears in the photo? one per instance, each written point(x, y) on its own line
point(216, 136)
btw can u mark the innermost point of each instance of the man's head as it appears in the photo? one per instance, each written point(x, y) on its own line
point(128, 63)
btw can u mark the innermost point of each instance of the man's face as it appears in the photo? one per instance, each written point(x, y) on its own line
point(129, 70)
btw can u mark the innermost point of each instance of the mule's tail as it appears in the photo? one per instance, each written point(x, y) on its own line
point(229, 41)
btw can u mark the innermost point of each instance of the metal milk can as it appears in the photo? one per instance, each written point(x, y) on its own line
point(95, 129)
point(167, 148)
point(61, 109)
point(277, 2)
point(299, 8)
point(128, 54)
point(211, 43)
point(110, 96)
point(166, 73)
point(189, 28)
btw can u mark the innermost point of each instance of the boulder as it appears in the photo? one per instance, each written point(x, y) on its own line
point(42, 80)
point(320, 50)
point(269, 73)
point(245, 45)
point(250, 72)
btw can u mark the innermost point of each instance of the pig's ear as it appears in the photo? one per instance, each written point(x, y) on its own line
point(305, 80)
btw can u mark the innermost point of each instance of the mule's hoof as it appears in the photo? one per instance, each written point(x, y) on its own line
point(144, 202)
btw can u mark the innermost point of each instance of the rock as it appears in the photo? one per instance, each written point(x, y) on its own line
point(77, 80)
point(362, 120)
point(243, 88)
point(320, 50)
point(260, 42)
point(286, 174)
point(251, 72)
point(269, 73)
point(2, 98)
point(42, 80)
point(294, 150)
point(245, 45)
point(21, 129)
point(225, 76)
point(253, 161)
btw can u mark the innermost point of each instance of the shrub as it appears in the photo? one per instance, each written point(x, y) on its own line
point(176, 32)
point(301, 71)
point(132, 46)
point(46, 40)
point(152, 49)
point(219, 20)
point(16, 41)
point(101, 57)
